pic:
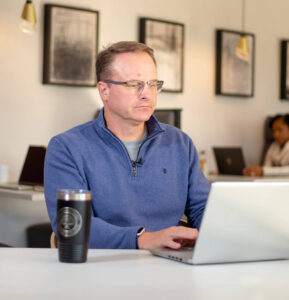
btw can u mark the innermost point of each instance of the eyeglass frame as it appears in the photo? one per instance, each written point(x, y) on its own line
point(139, 89)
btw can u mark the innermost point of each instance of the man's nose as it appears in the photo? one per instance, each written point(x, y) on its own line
point(146, 91)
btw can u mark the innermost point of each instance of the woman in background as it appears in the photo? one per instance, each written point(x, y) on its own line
point(277, 157)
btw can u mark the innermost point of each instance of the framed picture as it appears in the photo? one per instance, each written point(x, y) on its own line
point(234, 76)
point(284, 93)
point(169, 116)
point(167, 40)
point(70, 45)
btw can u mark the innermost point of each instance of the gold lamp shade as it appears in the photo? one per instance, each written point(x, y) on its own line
point(242, 51)
point(28, 18)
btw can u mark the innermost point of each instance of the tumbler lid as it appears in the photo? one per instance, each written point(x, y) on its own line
point(74, 194)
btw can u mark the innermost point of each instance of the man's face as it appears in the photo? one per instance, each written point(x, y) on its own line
point(126, 104)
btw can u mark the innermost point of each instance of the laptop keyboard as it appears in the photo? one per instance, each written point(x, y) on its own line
point(179, 255)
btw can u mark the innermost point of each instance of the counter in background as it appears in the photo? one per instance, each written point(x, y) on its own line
point(219, 177)
point(19, 210)
point(32, 195)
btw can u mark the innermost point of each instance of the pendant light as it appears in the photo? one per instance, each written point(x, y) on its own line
point(28, 18)
point(242, 51)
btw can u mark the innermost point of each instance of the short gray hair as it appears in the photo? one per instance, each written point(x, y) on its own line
point(106, 56)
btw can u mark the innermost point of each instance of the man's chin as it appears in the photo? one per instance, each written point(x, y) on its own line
point(144, 113)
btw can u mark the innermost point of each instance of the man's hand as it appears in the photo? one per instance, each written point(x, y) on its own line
point(253, 171)
point(172, 237)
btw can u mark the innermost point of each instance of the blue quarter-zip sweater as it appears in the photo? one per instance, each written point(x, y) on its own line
point(154, 193)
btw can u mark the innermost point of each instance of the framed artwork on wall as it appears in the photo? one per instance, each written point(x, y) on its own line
point(234, 75)
point(70, 45)
point(284, 92)
point(169, 116)
point(167, 40)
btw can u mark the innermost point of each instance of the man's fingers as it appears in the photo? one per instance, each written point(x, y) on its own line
point(183, 233)
point(173, 244)
point(173, 237)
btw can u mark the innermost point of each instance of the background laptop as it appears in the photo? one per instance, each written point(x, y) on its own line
point(230, 160)
point(32, 170)
point(243, 221)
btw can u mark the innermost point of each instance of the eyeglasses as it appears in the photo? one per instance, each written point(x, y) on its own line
point(138, 85)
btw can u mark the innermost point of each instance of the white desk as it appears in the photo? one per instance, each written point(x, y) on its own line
point(133, 274)
point(18, 210)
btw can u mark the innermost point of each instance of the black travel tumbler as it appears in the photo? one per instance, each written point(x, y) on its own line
point(73, 225)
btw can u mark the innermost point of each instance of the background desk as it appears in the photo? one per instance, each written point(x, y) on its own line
point(18, 210)
point(133, 274)
point(219, 177)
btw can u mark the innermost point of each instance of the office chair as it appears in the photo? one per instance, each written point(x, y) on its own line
point(38, 235)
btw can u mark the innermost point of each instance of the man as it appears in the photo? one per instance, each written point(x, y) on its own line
point(143, 175)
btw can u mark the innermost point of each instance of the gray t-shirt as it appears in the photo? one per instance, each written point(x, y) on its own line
point(132, 147)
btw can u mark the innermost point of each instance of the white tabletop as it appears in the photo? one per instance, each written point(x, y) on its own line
point(134, 274)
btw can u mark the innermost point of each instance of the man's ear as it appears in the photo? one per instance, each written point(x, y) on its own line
point(103, 90)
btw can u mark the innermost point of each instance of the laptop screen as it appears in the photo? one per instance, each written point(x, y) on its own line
point(32, 171)
point(230, 160)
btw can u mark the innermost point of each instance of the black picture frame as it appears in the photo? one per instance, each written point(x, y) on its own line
point(234, 77)
point(169, 116)
point(284, 79)
point(70, 45)
point(167, 40)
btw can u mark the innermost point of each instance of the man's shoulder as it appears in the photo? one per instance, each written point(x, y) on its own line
point(80, 129)
point(174, 132)
point(77, 132)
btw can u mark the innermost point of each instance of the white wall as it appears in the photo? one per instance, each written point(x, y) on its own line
point(31, 113)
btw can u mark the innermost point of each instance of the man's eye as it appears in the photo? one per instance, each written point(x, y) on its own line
point(134, 85)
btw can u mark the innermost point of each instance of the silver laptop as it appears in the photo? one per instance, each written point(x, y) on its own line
point(32, 170)
point(243, 221)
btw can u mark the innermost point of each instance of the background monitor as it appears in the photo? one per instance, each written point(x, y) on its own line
point(33, 167)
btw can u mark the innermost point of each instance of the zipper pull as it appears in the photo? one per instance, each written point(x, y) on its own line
point(133, 163)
